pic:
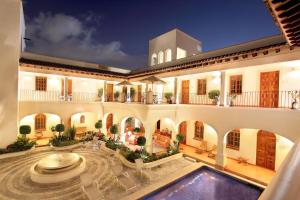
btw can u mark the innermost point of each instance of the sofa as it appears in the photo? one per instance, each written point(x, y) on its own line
point(161, 140)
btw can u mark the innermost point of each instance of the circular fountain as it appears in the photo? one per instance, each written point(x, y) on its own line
point(57, 167)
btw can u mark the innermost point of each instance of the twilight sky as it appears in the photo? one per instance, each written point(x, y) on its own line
point(116, 32)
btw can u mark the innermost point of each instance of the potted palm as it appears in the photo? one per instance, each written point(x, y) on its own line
point(214, 95)
point(100, 94)
point(116, 95)
point(132, 94)
point(168, 96)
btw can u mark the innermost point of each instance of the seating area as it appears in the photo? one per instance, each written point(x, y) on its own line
point(161, 140)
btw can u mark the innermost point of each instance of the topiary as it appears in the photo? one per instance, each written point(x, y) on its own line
point(179, 138)
point(24, 130)
point(60, 128)
point(114, 129)
point(141, 141)
point(98, 125)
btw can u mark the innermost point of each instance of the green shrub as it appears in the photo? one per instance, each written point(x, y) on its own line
point(24, 130)
point(133, 155)
point(111, 144)
point(136, 130)
point(98, 124)
point(114, 130)
point(213, 94)
point(60, 128)
point(116, 95)
point(21, 144)
point(132, 93)
point(70, 133)
point(141, 141)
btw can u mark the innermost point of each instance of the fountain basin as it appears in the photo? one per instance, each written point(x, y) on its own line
point(57, 167)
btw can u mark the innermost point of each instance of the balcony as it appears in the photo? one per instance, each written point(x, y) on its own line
point(278, 99)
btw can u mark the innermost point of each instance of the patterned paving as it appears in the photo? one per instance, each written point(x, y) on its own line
point(16, 183)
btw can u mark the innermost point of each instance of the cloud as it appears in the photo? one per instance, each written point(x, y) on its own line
point(67, 36)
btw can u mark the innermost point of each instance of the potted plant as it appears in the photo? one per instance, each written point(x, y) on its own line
point(100, 93)
point(136, 130)
point(116, 95)
point(179, 138)
point(295, 96)
point(231, 98)
point(114, 130)
point(141, 141)
point(168, 96)
point(98, 125)
point(132, 94)
point(59, 128)
point(214, 95)
point(24, 130)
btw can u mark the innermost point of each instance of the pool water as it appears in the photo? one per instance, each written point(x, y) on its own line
point(207, 184)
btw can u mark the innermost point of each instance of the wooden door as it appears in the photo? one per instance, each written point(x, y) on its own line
point(182, 130)
point(70, 87)
point(266, 149)
point(269, 86)
point(139, 93)
point(185, 91)
point(110, 92)
point(63, 87)
point(109, 122)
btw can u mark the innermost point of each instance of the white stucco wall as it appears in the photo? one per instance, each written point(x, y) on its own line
point(90, 120)
point(10, 47)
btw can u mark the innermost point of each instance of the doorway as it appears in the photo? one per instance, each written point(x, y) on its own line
point(110, 91)
point(185, 91)
point(183, 130)
point(269, 89)
point(266, 149)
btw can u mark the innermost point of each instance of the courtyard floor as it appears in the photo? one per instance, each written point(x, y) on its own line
point(248, 171)
point(16, 183)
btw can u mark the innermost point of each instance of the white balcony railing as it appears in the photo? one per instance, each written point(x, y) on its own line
point(49, 96)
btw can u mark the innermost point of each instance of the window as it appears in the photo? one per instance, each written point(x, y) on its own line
point(168, 55)
point(160, 57)
point(154, 59)
point(40, 83)
point(201, 87)
point(181, 53)
point(40, 122)
point(233, 139)
point(199, 130)
point(82, 119)
point(236, 84)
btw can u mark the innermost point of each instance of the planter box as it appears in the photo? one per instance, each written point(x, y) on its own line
point(162, 161)
point(16, 154)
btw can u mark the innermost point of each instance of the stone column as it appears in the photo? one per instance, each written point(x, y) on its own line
point(104, 92)
point(175, 90)
point(223, 89)
point(11, 23)
point(149, 130)
point(220, 157)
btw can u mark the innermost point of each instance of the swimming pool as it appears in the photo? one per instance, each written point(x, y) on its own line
point(207, 184)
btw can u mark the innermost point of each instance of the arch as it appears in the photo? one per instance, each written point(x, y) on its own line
point(41, 135)
point(250, 144)
point(84, 121)
point(154, 59)
point(128, 131)
point(160, 57)
point(168, 55)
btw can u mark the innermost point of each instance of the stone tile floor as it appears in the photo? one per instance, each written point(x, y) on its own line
point(16, 183)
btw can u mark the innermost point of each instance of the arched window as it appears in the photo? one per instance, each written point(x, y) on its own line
point(160, 57)
point(168, 55)
point(199, 130)
point(154, 59)
point(233, 139)
point(82, 119)
point(40, 122)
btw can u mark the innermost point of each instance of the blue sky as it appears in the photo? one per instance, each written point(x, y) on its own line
point(116, 32)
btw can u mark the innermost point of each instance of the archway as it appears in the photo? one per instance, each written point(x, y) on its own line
point(252, 151)
point(162, 137)
point(131, 129)
point(41, 124)
point(84, 122)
